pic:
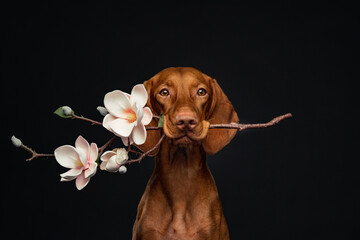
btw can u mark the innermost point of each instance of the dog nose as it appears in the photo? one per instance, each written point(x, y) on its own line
point(185, 121)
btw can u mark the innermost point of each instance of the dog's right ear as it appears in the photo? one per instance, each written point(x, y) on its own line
point(152, 136)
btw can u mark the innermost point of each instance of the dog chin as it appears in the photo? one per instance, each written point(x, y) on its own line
point(183, 141)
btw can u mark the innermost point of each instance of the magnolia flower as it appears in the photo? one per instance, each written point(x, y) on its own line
point(127, 114)
point(112, 160)
point(81, 160)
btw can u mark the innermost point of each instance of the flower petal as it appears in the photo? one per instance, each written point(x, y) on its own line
point(103, 165)
point(139, 95)
point(81, 181)
point(121, 127)
point(139, 134)
point(65, 180)
point(147, 116)
point(93, 152)
point(82, 147)
point(107, 155)
point(82, 144)
point(116, 102)
point(107, 119)
point(139, 114)
point(67, 156)
point(71, 174)
point(125, 140)
point(91, 170)
point(112, 165)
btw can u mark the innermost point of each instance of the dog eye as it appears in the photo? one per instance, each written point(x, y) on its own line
point(164, 92)
point(201, 92)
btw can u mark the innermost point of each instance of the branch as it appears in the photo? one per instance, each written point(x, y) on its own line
point(35, 154)
point(153, 128)
point(243, 127)
point(93, 122)
point(143, 155)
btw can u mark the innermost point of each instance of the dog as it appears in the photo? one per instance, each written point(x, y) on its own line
point(181, 199)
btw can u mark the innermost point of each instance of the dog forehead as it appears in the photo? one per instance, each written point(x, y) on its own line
point(181, 76)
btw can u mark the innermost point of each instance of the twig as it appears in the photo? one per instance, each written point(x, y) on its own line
point(242, 127)
point(143, 155)
point(35, 154)
point(129, 144)
point(103, 147)
point(134, 151)
point(93, 122)
point(153, 128)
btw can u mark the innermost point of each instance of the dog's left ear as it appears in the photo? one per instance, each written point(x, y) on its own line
point(220, 111)
point(152, 136)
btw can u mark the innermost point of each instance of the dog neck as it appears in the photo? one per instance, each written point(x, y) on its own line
point(179, 158)
point(182, 175)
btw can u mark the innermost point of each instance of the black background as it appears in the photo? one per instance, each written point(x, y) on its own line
point(291, 181)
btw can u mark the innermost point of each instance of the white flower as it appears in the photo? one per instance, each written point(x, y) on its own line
point(67, 110)
point(16, 142)
point(102, 110)
point(127, 114)
point(112, 160)
point(122, 169)
point(81, 160)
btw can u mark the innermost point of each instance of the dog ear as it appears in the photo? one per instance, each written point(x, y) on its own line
point(152, 136)
point(220, 111)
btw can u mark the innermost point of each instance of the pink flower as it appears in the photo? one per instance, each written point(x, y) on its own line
point(81, 160)
point(127, 114)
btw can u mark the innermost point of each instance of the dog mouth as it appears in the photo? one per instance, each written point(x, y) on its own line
point(184, 140)
point(186, 137)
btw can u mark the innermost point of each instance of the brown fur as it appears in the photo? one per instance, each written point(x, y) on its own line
point(181, 200)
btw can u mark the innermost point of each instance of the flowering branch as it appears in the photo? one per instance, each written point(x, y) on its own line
point(239, 126)
point(127, 117)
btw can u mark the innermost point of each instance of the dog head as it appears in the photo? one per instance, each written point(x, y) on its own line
point(190, 102)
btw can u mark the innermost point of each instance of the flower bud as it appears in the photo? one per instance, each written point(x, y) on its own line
point(15, 141)
point(67, 110)
point(121, 156)
point(122, 169)
point(102, 110)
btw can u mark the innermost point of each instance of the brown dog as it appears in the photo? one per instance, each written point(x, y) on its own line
point(181, 200)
